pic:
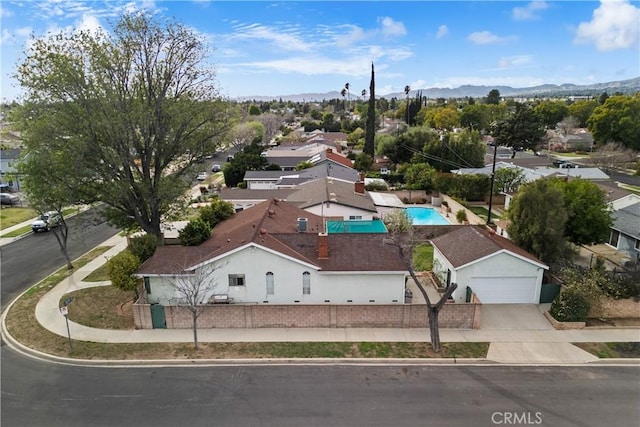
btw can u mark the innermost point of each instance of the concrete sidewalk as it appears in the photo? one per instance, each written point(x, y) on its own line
point(538, 343)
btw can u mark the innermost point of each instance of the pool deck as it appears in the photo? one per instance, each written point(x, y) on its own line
point(450, 213)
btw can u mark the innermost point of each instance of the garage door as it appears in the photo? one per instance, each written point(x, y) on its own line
point(506, 290)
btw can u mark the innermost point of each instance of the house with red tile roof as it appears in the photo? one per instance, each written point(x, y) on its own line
point(494, 268)
point(276, 253)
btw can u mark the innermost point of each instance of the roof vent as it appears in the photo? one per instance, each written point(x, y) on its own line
point(302, 225)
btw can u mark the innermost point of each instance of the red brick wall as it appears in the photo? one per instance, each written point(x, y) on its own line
point(455, 316)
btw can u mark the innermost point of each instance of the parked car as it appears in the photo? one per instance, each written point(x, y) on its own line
point(46, 221)
point(9, 199)
point(202, 176)
point(216, 168)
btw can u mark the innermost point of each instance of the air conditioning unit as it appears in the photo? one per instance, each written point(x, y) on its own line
point(302, 225)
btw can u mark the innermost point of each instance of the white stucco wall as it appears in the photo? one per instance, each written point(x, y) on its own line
point(337, 210)
point(254, 262)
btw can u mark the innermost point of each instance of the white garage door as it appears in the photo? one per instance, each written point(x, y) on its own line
point(506, 290)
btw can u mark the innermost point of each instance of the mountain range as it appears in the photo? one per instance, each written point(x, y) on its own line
point(547, 90)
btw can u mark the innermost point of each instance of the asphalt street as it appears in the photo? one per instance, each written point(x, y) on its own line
point(42, 394)
point(32, 258)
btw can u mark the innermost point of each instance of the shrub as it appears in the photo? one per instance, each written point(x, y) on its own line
point(217, 211)
point(570, 306)
point(461, 215)
point(195, 232)
point(121, 268)
point(618, 287)
point(143, 246)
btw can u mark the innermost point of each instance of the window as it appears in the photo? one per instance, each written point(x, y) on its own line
point(270, 283)
point(306, 283)
point(352, 217)
point(147, 285)
point(236, 280)
point(637, 246)
point(613, 239)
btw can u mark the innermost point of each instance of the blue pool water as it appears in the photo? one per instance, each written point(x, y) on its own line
point(426, 216)
point(356, 226)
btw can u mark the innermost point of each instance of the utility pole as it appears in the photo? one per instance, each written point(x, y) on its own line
point(493, 177)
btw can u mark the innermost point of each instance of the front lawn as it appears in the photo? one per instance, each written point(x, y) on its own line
point(612, 350)
point(12, 216)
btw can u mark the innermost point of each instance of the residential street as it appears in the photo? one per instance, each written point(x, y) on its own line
point(43, 394)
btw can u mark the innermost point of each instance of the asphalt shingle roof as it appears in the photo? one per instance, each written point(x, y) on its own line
point(467, 244)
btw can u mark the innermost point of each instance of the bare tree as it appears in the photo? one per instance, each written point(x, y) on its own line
point(401, 236)
point(272, 123)
point(613, 156)
point(568, 124)
point(195, 286)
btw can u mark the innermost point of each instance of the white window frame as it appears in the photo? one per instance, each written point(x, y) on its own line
point(306, 283)
point(236, 280)
point(270, 284)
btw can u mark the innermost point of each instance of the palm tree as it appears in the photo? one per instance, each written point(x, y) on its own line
point(364, 94)
point(407, 89)
point(343, 92)
point(346, 86)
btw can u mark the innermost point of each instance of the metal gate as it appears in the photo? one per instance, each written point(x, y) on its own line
point(157, 317)
point(549, 292)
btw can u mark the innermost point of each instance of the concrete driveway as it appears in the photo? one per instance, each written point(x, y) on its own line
point(514, 317)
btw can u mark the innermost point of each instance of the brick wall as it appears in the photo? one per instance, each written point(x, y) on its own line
point(454, 316)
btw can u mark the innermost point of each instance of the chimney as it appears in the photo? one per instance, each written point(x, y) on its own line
point(323, 246)
point(359, 187)
point(329, 150)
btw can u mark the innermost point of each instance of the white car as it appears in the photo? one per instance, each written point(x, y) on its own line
point(46, 221)
point(202, 176)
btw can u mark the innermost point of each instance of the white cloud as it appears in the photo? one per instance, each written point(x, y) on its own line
point(311, 66)
point(5, 37)
point(89, 24)
point(354, 35)
point(5, 13)
point(487, 37)
point(285, 39)
point(529, 11)
point(391, 28)
point(443, 30)
point(614, 25)
point(515, 61)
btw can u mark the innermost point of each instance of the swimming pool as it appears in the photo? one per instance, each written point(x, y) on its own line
point(426, 216)
point(356, 226)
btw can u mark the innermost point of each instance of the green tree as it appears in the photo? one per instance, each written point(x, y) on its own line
point(455, 150)
point(522, 130)
point(582, 110)
point(355, 137)
point(254, 110)
point(589, 218)
point(474, 116)
point(363, 162)
point(446, 118)
point(121, 269)
point(538, 220)
point(216, 212)
point(143, 246)
point(493, 97)
point(508, 180)
point(551, 113)
point(420, 176)
point(249, 158)
point(195, 232)
point(370, 129)
point(136, 108)
point(617, 120)
point(409, 143)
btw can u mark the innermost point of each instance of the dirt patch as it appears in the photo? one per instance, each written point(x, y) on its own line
point(622, 322)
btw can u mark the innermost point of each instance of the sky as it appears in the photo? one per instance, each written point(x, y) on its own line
point(273, 48)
